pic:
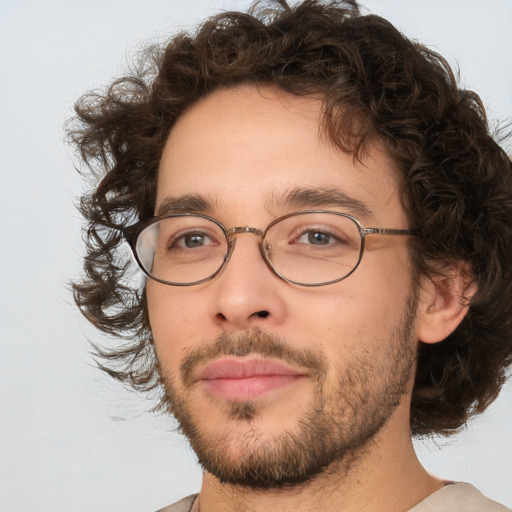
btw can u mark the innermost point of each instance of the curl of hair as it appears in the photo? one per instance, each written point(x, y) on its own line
point(376, 85)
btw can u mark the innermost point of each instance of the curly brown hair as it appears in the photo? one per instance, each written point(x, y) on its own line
point(376, 85)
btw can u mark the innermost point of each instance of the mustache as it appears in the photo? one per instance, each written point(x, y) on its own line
point(254, 342)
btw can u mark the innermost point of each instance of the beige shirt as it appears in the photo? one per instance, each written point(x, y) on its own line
point(457, 497)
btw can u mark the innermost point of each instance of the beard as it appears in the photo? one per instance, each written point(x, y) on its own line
point(330, 435)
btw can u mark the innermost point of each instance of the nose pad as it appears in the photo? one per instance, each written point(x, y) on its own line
point(265, 250)
point(245, 291)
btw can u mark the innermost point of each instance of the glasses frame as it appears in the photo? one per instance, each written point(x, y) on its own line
point(131, 235)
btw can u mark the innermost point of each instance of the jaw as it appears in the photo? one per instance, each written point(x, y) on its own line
point(383, 474)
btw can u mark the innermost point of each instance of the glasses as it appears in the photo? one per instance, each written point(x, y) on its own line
point(307, 248)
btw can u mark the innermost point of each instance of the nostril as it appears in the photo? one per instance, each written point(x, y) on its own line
point(262, 314)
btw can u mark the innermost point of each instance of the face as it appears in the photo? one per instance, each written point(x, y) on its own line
point(274, 382)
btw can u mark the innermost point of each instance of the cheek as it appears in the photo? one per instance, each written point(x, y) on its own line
point(357, 312)
point(174, 317)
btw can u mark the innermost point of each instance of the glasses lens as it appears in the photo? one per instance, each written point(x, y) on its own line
point(182, 249)
point(313, 248)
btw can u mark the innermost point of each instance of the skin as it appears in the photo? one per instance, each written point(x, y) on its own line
point(240, 149)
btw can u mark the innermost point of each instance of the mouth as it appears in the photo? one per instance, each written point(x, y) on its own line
point(246, 379)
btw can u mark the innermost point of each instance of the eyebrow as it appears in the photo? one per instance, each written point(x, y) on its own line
point(189, 203)
point(327, 197)
point(299, 198)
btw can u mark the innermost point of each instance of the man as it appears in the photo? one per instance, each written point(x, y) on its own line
point(325, 225)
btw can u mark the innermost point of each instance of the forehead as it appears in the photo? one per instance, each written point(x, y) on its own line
point(249, 146)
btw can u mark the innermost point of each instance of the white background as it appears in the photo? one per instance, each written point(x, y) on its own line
point(69, 438)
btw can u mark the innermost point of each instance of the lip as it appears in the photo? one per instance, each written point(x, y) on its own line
point(246, 379)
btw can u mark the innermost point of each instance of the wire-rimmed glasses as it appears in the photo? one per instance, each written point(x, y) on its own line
point(305, 248)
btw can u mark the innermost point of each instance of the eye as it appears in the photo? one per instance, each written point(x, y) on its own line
point(315, 233)
point(316, 237)
point(319, 237)
point(191, 240)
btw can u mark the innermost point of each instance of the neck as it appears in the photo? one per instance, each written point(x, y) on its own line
point(385, 475)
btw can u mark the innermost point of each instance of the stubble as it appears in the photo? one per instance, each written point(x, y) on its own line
point(336, 428)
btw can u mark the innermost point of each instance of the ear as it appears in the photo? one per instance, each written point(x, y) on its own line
point(443, 303)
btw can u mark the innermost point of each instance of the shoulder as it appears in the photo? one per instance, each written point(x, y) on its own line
point(458, 497)
point(183, 505)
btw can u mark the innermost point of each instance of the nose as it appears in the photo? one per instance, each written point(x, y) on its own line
point(247, 293)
